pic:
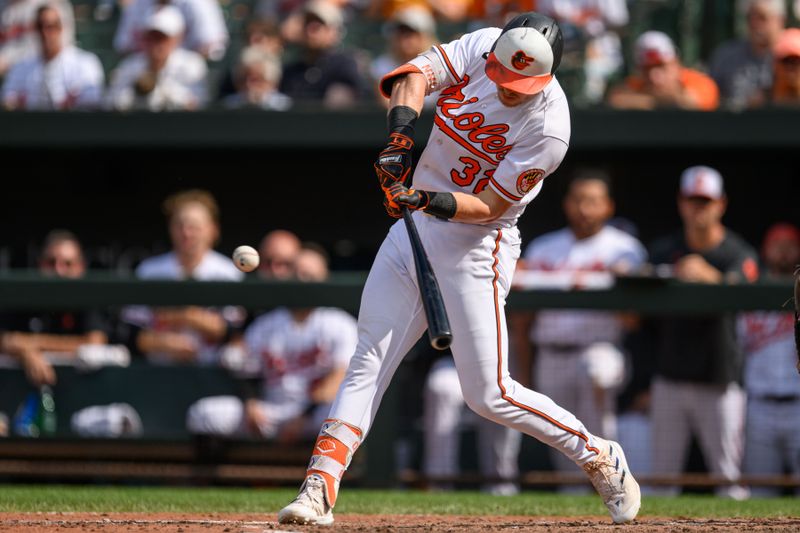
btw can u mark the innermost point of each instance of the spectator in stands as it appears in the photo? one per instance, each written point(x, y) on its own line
point(773, 389)
point(256, 78)
point(742, 68)
point(597, 22)
point(325, 72)
point(696, 388)
point(186, 334)
point(411, 32)
point(301, 356)
point(573, 355)
point(163, 77)
point(291, 15)
point(262, 35)
point(59, 77)
point(496, 13)
point(451, 10)
point(31, 336)
point(662, 81)
point(205, 31)
point(18, 32)
point(786, 86)
point(278, 252)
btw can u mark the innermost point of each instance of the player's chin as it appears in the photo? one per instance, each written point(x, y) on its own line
point(512, 98)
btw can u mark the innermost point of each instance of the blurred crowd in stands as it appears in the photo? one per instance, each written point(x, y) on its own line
point(654, 383)
point(276, 54)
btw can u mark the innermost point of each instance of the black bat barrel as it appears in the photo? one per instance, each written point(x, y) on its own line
point(438, 324)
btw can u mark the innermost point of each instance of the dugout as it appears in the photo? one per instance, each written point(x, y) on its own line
point(104, 175)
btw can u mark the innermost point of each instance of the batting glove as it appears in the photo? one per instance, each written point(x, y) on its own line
point(398, 195)
point(394, 162)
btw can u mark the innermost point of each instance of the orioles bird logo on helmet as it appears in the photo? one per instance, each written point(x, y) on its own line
point(519, 60)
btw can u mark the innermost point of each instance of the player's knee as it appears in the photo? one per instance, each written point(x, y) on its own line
point(216, 415)
point(442, 387)
point(485, 405)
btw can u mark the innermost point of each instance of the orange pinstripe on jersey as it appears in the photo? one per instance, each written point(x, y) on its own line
point(503, 393)
point(447, 63)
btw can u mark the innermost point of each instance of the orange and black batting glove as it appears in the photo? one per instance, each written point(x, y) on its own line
point(398, 195)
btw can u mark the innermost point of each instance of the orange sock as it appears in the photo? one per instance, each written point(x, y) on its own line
point(336, 443)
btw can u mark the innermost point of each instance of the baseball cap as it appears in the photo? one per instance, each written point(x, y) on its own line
point(788, 44)
point(526, 54)
point(654, 48)
point(416, 18)
point(328, 13)
point(703, 182)
point(782, 231)
point(167, 20)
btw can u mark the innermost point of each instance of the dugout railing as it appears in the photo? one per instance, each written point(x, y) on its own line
point(171, 458)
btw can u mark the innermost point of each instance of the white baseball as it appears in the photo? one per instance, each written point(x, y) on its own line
point(245, 258)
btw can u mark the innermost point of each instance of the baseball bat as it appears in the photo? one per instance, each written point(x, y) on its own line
point(438, 324)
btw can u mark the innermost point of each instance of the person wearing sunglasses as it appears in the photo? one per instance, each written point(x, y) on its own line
point(33, 338)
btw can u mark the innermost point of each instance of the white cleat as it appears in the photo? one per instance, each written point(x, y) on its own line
point(310, 507)
point(611, 477)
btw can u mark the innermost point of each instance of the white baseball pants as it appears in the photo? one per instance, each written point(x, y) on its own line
point(715, 413)
point(772, 440)
point(498, 446)
point(474, 265)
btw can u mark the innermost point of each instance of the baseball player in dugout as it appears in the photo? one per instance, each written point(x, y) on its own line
point(501, 126)
point(698, 366)
point(578, 362)
point(773, 389)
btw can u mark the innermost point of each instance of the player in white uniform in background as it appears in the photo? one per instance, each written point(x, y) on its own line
point(501, 126)
point(770, 380)
point(444, 415)
point(577, 357)
point(189, 334)
point(301, 356)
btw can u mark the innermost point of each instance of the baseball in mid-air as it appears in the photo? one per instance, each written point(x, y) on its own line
point(245, 258)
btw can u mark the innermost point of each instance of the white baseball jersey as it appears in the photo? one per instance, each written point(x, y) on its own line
point(294, 355)
point(561, 251)
point(72, 80)
point(205, 26)
point(773, 388)
point(767, 338)
point(181, 84)
point(18, 38)
point(213, 267)
point(478, 142)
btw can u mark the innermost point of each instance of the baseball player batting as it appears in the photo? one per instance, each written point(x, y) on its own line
point(501, 126)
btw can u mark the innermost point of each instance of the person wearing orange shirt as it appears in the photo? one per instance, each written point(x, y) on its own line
point(786, 85)
point(662, 81)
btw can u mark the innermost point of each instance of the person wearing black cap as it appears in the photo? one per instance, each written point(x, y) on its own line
point(501, 126)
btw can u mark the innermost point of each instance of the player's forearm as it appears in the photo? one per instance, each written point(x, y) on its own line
point(325, 390)
point(18, 342)
point(408, 90)
point(481, 209)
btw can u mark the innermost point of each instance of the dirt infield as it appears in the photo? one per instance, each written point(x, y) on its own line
point(228, 523)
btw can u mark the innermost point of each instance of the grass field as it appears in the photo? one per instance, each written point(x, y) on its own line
point(114, 499)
